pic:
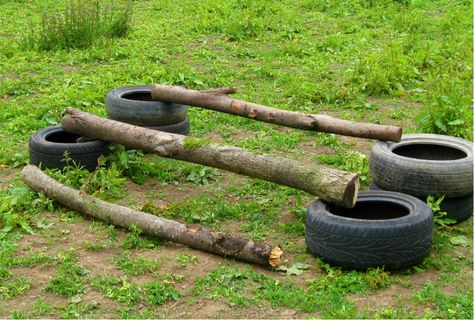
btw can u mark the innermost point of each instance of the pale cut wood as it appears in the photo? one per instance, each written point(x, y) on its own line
point(227, 245)
point(329, 184)
point(217, 99)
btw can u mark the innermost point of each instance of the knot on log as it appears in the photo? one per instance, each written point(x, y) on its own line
point(253, 113)
point(235, 105)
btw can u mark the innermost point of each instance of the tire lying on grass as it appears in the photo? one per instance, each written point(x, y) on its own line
point(48, 145)
point(387, 229)
point(133, 105)
point(424, 164)
point(457, 208)
point(181, 128)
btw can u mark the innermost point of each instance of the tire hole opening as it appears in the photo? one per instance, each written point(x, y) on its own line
point(371, 210)
point(62, 137)
point(141, 96)
point(429, 152)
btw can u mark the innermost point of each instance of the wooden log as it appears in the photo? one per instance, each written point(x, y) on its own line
point(330, 184)
point(227, 245)
point(217, 99)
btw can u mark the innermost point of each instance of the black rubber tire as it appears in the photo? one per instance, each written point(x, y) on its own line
point(440, 165)
point(365, 242)
point(140, 110)
point(46, 148)
point(182, 128)
point(457, 208)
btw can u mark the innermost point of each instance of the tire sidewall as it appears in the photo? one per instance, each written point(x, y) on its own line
point(142, 112)
point(362, 243)
point(419, 214)
point(437, 177)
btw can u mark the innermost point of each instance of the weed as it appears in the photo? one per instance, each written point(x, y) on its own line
point(457, 306)
point(105, 181)
point(117, 289)
point(133, 266)
point(40, 308)
point(68, 279)
point(173, 278)
point(202, 177)
point(135, 241)
point(377, 279)
point(18, 204)
point(447, 115)
point(439, 217)
point(79, 311)
point(351, 161)
point(81, 24)
point(186, 259)
point(132, 313)
point(129, 163)
point(19, 315)
point(226, 283)
point(14, 287)
point(34, 259)
point(157, 293)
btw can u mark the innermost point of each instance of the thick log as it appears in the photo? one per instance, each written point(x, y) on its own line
point(332, 185)
point(200, 238)
point(217, 99)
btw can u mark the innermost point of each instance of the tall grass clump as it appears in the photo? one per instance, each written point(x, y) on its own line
point(81, 24)
point(447, 115)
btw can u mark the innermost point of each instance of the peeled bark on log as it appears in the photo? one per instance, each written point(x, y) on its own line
point(217, 99)
point(329, 184)
point(200, 238)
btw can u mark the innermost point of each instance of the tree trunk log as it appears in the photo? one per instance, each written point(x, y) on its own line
point(329, 184)
point(200, 238)
point(217, 99)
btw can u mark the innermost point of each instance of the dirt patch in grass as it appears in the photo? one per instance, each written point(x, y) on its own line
point(7, 174)
point(394, 295)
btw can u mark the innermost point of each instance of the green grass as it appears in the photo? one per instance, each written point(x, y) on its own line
point(117, 289)
point(133, 266)
point(405, 62)
point(68, 280)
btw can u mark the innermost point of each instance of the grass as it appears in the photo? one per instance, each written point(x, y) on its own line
point(82, 23)
point(133, 266)
point(68, 280)
point(404, 63)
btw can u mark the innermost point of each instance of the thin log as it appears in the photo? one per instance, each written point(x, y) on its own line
point(217, 99)
point(227, 245)
point(330, 184)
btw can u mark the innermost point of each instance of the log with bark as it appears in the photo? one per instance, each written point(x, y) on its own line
point(330, 184)
point(227, 245)
point(217, 99)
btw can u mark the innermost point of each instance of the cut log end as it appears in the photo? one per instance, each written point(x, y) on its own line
point(351, 192)
point(275, 257)
point(397, 134)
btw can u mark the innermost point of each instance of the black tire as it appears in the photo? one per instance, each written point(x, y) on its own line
point(424, 164)
point(457, 208)
point(133, 105)
point(373, 233)
point(182, 128)
point(48, 145)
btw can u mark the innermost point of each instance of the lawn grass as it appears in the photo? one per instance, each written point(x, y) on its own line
point(406, 63)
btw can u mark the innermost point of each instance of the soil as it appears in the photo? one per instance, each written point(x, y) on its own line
point(65, 236)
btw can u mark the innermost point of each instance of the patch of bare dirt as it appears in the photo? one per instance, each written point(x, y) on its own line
point(7, 174)
point(391, 296)
point(71, 68)
point(307, 150)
